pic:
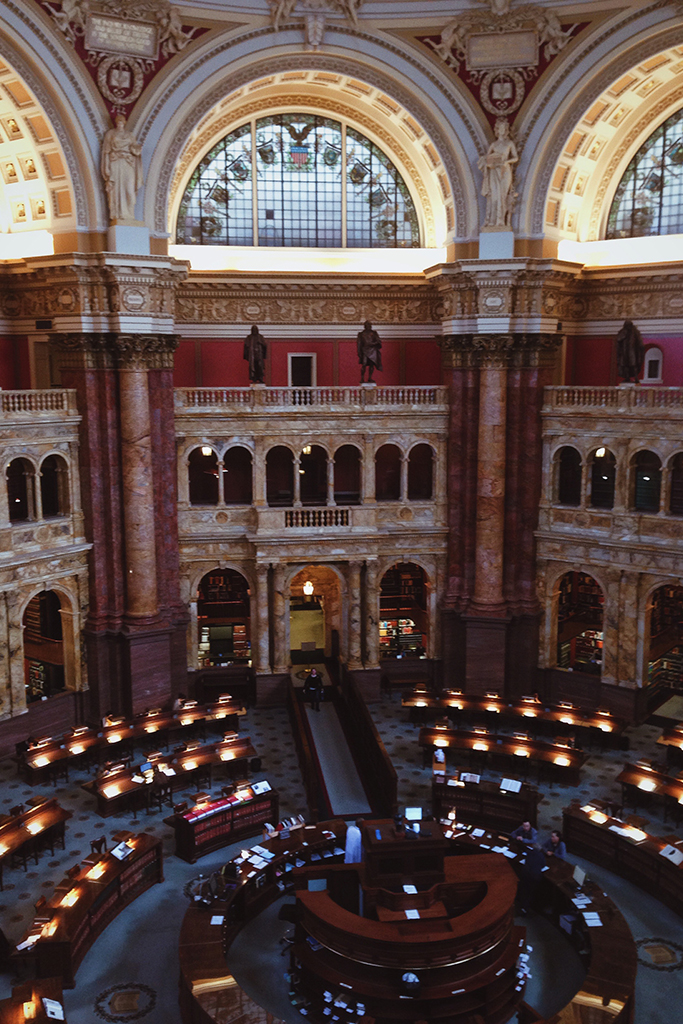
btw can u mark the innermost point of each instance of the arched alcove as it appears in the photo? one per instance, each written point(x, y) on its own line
point(580, 623)
point(43, 647)
point(315, 614)
point(388, 473)
point(404, 612)
point(223, 619)
point(347, 475)
point(665, 650)
point(54, 487)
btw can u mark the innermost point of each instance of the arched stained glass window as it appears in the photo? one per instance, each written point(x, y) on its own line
point(649, 199)
point(319, 184)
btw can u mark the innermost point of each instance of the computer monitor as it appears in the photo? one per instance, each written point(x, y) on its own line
point(413, 814)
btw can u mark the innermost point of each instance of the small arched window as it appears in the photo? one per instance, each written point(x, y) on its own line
point(347, 475)
point(603, 473)
point(676, 496)
point(388, 473)
point(237, 476)
point(54, 487)
point(296, 179)
point(652, 366)
point(203, 471)
point(420, 472)
point(279, 476)
point(20, 490)
point(648, 482)
point(568, 476)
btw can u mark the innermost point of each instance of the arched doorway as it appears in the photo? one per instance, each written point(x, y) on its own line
point(579, 623)
point(43, 647)
point(223, 619)
point(665, 657)
point(314, 614)
point(404, 619)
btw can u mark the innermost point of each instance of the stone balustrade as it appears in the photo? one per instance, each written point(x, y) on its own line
point(37, 403)
point(257, 398)
point(626, 397)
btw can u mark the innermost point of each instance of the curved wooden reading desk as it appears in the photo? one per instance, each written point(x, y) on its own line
point(208, 993)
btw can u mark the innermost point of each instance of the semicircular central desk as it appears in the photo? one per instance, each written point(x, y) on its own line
point(209, 993)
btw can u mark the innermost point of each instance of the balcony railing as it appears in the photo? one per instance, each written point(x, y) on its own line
point(257, 398)
point(33, 403)
point(616, 398)
point(308, 517)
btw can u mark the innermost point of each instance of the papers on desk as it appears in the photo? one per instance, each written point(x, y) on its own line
point(410, 889)
point(581, 901)
point(258, 862)
point(592, 919)
point(469, 777)
point(261, 787)
point(505, 850)
point(413, 915)
point(450, 834)
point(672, 854)
point(217, 919)
point(510, 785)
point(478, 832)
point(168, 771)
point(122, 851)
point(262, 852)
point(138, 778)
point(28, 943)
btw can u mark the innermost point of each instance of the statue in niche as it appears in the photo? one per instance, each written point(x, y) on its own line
point(121, 167)
point(630, 352)
point(369, 351)
point(255, 353)
point(497, 165)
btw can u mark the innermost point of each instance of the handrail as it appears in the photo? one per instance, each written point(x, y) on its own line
point(39, 401)
point(622, 398)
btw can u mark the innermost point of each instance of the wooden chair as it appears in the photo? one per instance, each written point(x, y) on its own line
point(98, 845)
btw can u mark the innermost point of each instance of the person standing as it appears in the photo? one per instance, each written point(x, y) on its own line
point(353, 850)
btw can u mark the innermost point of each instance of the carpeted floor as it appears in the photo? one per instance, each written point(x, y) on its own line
point(134, 963)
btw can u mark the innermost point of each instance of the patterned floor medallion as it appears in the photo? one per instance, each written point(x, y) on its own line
point(660, 954)
point(122, 1003)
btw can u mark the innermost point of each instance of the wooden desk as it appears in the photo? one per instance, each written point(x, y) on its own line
point(41, 824)
point(437, 909)
point(565, 762)
point(208, 993)
point(81, 908)
point(37, 764)
point(120, 790)
point(212, 825)
point(606, 995)
point(530, 713)
point(485, 803)
point(629, 852)
point(12, 1009)
point(640, 784)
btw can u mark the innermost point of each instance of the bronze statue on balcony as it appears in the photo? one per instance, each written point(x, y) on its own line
point(255, 352)
point(630, 352)
point(369, 351)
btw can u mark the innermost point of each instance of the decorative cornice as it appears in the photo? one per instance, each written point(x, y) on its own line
point(97, 351)
point(498, 351)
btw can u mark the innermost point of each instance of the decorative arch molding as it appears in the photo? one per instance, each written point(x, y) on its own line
point(196, 573)
point(543, 136)
point(77, 103)
point(292, 571)
point(430, 98)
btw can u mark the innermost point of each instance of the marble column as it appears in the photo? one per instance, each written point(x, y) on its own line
point(193, 638)
point(404, 476)
point(488, 581)
point(260, 644)
point(368, 471)
point(280, 653)
point(354, 660)
point(611, 634)
point(330, 481)
point(14, 653)
point(296, 502)
point(631, 668)
point(259, 473)
point(371, 614)
point(138, 482)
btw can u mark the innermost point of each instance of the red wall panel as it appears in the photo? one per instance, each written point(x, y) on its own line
point(423, 363)
point(183, 366)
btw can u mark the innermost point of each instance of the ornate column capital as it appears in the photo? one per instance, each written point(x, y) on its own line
point(482, 351)
point(144, 351)
point(84, 351)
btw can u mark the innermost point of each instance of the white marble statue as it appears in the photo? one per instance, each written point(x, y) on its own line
point(497, 165)
point(121, 167)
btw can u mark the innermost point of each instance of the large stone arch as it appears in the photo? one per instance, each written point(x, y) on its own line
point(572, 88)
point(66, 97)
point(227, 64)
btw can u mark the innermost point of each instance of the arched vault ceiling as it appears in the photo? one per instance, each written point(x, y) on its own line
point(598, 148)
point(359, 103)
point(35, 190)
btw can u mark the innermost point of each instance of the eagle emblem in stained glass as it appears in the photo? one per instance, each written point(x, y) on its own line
point(297, 180)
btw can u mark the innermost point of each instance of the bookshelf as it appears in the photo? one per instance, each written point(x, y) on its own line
point(211, 826)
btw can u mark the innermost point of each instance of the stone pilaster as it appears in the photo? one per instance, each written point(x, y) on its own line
point(280, 652)
point(354, 656)
point(372, 615)
point(261, 654)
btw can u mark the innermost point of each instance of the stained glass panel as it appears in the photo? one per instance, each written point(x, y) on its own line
point(302, 164)
point(649, 199)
